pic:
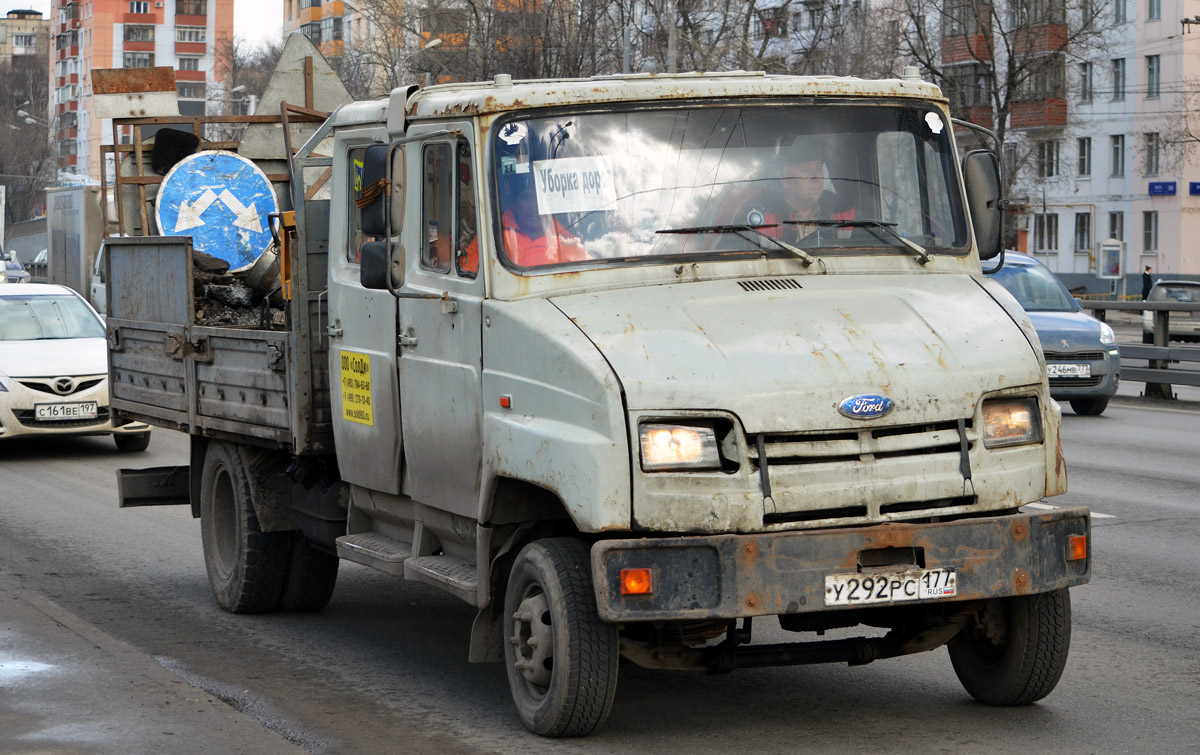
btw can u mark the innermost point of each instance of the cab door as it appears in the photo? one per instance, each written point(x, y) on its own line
point(362, 329)
point(441, 330)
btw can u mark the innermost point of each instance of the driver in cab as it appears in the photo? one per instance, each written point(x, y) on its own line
point(530, 238)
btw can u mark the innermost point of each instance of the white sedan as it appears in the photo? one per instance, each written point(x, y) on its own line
point(54, 368)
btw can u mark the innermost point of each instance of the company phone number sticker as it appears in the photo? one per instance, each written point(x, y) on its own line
point(356, 387)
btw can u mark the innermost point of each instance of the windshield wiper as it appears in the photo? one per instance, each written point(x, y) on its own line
point(804, 257)
point(870, 225)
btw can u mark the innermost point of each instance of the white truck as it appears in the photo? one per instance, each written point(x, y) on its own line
point(564, 350)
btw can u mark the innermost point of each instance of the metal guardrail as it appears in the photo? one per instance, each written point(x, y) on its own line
point(37, 272)
point(1158, 376)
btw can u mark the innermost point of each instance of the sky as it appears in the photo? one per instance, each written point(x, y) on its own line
point(253, 20)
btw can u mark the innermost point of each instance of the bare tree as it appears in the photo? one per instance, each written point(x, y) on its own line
point(27, 159)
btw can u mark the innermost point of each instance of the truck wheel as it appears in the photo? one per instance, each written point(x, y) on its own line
point(1020, 657)
point(311, 576)
point(1089, 407)
point(132, 443)
point(246, 566)
point(561, 659)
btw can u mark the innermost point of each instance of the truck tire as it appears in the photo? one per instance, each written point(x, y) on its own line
point(561, 659)
point(246, 566)
point(1027, 664)
point(1089, 407)
point(132, 443)
point(311, 576)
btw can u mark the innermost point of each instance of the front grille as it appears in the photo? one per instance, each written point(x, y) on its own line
point(853, 446)
point(1076, 382)
point(47, 386)
point(1078, 356)
point(770, 284)
point(27, 418)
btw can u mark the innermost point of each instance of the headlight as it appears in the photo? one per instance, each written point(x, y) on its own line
point(1011, 422)
point(668, 447)
point(1106, 333)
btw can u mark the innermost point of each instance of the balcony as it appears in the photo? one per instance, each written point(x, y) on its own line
point(965, 48)
point(1047, 113)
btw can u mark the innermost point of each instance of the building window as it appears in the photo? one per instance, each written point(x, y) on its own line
point(1085, 157)
point(1118, 79)
point(139, 33)
point(966, 85)
point(139, 7)
point(310, 4)
point(1119, 14)
point(24, 40)
point(1153, 76)
point(1011, 159)
point(313, 32)
point(1085, 82)
point(1045, 232)
point(1152, 149)
point(1117, 143)
point(1083, 231)
point(191, 91)
point(1153, 10)
point(189, 64)
point(191, 34)
point(1046, 79)
point(191, 7)
point(1047, 159)
point(1150, 232)
point(1116, 226)
point(139, 60)
point(331, 28)
point(962, 17)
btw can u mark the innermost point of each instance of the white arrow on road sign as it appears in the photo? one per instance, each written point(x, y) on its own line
point(247, 217)
point(189, 214)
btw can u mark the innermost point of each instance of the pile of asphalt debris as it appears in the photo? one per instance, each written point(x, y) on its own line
point(225, 299)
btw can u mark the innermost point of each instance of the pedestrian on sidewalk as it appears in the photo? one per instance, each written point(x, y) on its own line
point(1146, 283)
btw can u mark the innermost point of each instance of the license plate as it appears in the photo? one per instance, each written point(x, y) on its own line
point(896, 587)
point(1069, 370)
point(77, 410)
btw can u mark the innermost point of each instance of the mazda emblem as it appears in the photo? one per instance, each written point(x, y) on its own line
point(64, 385)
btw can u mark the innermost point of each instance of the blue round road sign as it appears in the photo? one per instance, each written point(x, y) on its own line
point(222, 201)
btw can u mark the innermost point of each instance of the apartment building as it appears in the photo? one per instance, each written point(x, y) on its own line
point(191, 36)
point(332, 25)
point(23, 34)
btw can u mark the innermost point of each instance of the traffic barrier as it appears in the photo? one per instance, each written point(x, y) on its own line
point(1158, 375)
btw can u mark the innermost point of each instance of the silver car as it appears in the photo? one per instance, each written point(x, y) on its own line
point(1184, 326)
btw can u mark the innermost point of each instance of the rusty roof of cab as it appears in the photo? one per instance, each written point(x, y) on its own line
point(504, 94)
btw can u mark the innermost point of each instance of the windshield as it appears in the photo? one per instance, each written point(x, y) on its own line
point(35, 318)
point(652, 185)
point(1035, 288)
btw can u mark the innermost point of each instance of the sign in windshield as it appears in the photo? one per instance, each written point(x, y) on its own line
point(730, 180)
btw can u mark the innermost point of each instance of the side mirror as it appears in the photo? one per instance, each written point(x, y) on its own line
point(374, 186)
point(981, 172)
point(376, 266)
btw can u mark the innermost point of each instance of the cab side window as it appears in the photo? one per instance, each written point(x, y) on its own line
point(355, 235)
point(437, 207)
point(467, 255)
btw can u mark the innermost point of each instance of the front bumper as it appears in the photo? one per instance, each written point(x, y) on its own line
point(1102, 384)
point(18, 402)
point(733, 576)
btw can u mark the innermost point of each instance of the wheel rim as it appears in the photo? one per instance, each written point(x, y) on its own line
point(533, 640)
point(224, 525)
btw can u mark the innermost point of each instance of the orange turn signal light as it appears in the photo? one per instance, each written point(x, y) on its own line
point(637, 582)
point(1076, 547)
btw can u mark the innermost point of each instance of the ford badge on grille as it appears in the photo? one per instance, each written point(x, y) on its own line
point(866, 406)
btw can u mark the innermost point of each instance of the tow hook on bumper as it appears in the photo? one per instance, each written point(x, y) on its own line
point(732, 576)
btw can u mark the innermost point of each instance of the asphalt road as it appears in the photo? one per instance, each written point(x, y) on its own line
point(383, 669)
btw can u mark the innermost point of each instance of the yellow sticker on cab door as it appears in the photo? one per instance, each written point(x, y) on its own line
point(356, 387)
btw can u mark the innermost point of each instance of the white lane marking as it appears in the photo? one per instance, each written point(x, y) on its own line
point(1048, 507)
